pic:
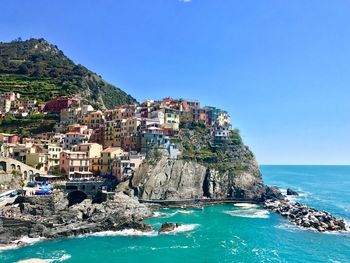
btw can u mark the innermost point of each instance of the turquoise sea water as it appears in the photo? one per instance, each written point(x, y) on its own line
point(222, 233)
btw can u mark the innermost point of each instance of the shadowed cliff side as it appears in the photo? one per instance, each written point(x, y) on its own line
point(206, 168)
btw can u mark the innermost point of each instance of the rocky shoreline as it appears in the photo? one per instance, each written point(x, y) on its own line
point(49, 217)
point(301, 215)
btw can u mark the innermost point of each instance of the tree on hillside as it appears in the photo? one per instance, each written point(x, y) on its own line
point(23, 69)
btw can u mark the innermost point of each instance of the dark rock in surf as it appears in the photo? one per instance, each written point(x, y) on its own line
point(168, 227)
point(292, 192)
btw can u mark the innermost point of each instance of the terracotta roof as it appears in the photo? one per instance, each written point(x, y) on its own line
point(111, 149)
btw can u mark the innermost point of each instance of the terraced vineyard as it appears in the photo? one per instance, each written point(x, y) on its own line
point(29, 87)
point(30, 125)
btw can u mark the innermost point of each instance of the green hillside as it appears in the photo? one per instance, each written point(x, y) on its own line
point(38, 69)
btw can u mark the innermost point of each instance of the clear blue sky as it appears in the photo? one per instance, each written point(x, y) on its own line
point(281, 68)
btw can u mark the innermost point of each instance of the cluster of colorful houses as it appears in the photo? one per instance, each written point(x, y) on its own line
point(88, 142)
point(11, 104)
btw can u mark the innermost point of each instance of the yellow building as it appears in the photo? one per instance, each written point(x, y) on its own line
point(93, 119)
point(107, 156)
point(93, 151)
point(112, 135)
point(113, 114)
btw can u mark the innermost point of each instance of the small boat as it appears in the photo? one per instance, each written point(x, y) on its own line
point(42, 192)
point(197, 204)
point(13, 194)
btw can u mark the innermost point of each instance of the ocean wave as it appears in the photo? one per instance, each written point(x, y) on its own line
point(171, 247)
point(25, 239)
point(30, 240)
point(183, 247)
point(125, 232)
point(48, 260)
point(167, 215)
point(249, 213)
point(134, 232)
point(288, 227)
point(159, 214)
point(293, 228)
point(8, 247)
point(183, 228)
point(294, 198)
point(35, 260)
point(246, 205)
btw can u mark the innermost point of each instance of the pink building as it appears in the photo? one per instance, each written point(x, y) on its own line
point(10, 138)
point(74, 165)
point(14, 138)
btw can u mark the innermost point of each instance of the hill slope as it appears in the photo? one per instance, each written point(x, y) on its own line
point(37, 69)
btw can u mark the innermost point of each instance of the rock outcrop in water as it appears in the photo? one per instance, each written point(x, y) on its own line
point(304, 216)
point(168, 227)
point(50, 217)
point(292, 192)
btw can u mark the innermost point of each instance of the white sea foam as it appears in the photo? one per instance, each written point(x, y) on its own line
point(25, 239)
point(167, 215)
point(249, 213)
point(183, 228)
point(183, 247)
point(246, 205)
point(64, 257)
point(30, 240)
point(185, 211)
point(125, 232)
point(289, 227)
point(35, 260)
point(293, 228)
point(134, 232)
point(296, 198)
point(283, 191)
point(8, 247)
point(48, 260)
point(159, 214)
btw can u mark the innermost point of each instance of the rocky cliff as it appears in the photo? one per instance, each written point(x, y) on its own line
point(205, 169)
point(189, 179)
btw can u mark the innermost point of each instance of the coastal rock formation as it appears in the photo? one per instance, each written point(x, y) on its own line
point(168, 227)
point(9, 181)
point(291, 192)
point(171, 180)
point(273, 193)
point(166, 179)
point(50, 217)
point(304, 216)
